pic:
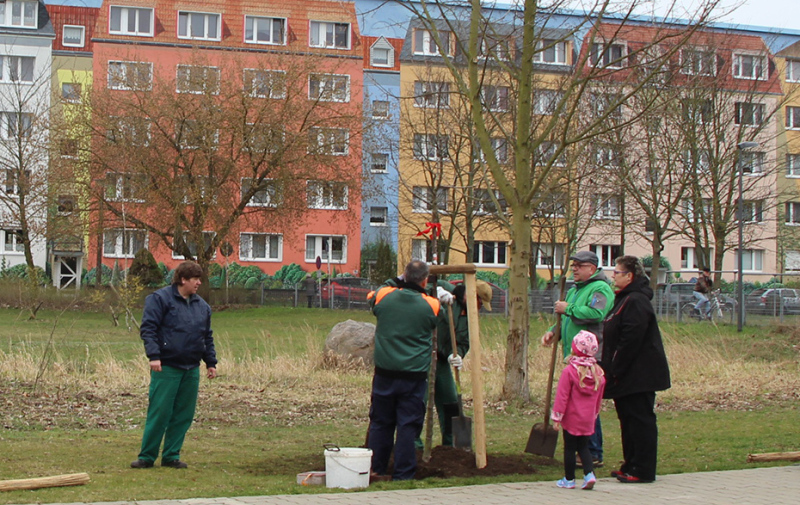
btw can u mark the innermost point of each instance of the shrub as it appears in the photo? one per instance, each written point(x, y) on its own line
point(145, 270)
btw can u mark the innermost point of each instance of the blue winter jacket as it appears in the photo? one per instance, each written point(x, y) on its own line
point(177, 330)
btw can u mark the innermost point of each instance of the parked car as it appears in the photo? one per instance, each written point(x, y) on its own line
point(769, 301)
point(346, 291)
point(498, 297)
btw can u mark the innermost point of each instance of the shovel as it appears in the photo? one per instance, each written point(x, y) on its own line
point(543, 437)
point(462, 425)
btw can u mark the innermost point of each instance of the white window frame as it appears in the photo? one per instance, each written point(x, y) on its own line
point(269, 197)
point(605, 254)
point(125, 13)
point(264, 138)
point(16, 125)
point(419, 249)
point(382, 45)
point(257, 80)
point(753, 211)
point(698, 111)
point(494, 48)
point(380, 109)
point(484, 205)
point(792, 70)
point(607, 207)
point(546, 152)
point(7, 15)
point(701, 156)
point(70, 96)
point(17, 69)
point(422, 198)
point(185, 80)
point(495, 98)
point(698, 57)
point(753, 259)
point(123, 242)
point(756, 114)
point(432, 94)
point(208, 236)
point(600, 55)
point(270, 256)
point(548, 255)
point(550, 52)
point(329, 87)
point(321, 29)
point(124, 68)
point(385, 163)
point(255, 21)
point(128, 129)
point(13, 238)
point(752, 163)
point(191, 17)
point(607, 156)
point(11, 185)
point(738, 66)
point(125, 187)
point(320, 245)
point(64, 30)
point(188, 135)
point(793, 165)
point(792, 213)
point(428, 146)
point(792, 118)
point(425, 44)
point(326, 141)
point(327, 195)
point(379, 216)
point(545, 101)
point(498, 250)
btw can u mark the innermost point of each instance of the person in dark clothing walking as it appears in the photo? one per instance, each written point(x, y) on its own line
point(176, 330)
point(636, 367)
point(310, 284)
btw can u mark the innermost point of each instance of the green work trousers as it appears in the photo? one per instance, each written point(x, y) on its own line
point(173, 397)
point(445, 400)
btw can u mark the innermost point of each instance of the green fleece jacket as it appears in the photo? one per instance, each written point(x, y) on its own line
point(406, 318)
point(588, 304)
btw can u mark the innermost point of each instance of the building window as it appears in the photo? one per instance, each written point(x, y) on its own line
point(752, 162)
point(208, 238)
point(267, 194)
point(73, 36)
point(131, 21)
point(425, 43)
point(494, 48)
point(326, 195)
point(123, 243)
point(17, 68)
point(698, 61)
point(329, 87)
point(495, 98)
point(19, 13)
point(125, 187)
point(484, 202)
point(263, 138)
point(697, 160)
point(130, 75)
point(14, 184)
point(606, 254)
point(705, 212)
point(753, 259)
point(329, 35)
point(698, 111)
point(197, 79)
point(793, 165)
point(380, 109)
point(607, 156)
point(748, 66)
point(753, 211)
point(12, 241)
point(793, 70)
point(607, 104)
point(66, 204)
point(549, 255)
point(431, 94)
point(423, 199)
point(68, 148)
point(17, 125)
point(793, 117)
point(333, 141)
point(793, 213)
point(265, 83)
point(607, 207)
point(381, 53)
point(199, 25)
point(260, 247)
point(749, 114)
point(378, 216)
point(688, 258)
point(545, 102)
point(260, 30)
point(328, 248)
point(128, 131)
point(547, 154)
point(552, 52)
point(71, 92)
point(420, 250)
point(489, 253)
point(379, 163)
point(193, 134)
point(430, 147)
point(607, 55)
point(553, 204)
point(499, 148)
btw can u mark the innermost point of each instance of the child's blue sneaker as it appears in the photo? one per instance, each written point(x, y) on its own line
point(566, 484)
point(589, 481)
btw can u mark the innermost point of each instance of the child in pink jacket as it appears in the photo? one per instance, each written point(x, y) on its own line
point(578, 398)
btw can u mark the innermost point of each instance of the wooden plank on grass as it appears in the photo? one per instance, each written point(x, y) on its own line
point(773, 456)
point(72, 479)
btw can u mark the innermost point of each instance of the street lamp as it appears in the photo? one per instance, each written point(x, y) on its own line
point(741, 146)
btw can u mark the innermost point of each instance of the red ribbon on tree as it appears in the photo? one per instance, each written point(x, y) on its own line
point(435, 229)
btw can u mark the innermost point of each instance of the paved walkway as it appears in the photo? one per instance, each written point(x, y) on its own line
point(760, 486)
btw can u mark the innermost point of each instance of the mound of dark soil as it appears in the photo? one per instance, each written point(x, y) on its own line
point(451, 462)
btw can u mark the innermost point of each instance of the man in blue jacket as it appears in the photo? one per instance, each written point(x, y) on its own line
point(176, 330)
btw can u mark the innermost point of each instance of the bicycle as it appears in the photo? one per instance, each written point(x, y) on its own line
point(717, 311)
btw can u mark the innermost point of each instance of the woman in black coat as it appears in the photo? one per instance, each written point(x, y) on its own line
point(636, 367)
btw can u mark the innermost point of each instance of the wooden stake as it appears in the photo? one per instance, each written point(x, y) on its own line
point(73, 479)
point(773, 456)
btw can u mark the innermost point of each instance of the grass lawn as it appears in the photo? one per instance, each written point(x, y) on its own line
point(266, 417)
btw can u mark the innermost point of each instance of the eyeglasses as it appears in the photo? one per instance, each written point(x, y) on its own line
point(620, 272)
point(579, 265)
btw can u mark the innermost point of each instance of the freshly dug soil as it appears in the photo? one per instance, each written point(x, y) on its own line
point(451, 462)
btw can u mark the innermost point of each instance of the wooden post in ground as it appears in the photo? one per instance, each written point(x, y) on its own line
point(471, 296)
point(73, 479)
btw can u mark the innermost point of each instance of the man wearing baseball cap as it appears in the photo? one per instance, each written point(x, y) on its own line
point(584, 308)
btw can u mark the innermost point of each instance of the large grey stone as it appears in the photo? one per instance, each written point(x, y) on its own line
point(351, 342)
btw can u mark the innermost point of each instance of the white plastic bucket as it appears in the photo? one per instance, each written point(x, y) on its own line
point(347, 467)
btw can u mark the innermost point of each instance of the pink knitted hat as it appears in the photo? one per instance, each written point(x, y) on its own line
point(584, 344)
